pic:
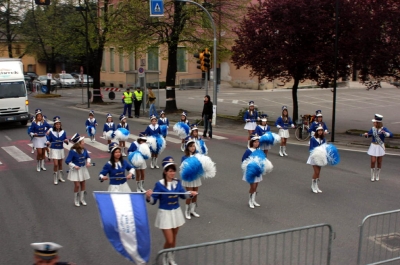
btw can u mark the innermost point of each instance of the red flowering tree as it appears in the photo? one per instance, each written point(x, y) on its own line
point(291, 40)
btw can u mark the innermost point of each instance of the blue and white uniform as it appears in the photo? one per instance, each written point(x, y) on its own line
point(190, 184)
point(314, 125)
point(108, 126)
point(153, 130)
point(250, 118)
point(133, 147)
point(75, 159)
point(246, 154)
point(314, 142)
point(283, 125)
point(377, 147)
point(260, 131)
point(125, 126)
point(91, 122)
point(118, 181)
point(169, 213)
point(56, 140)
point(39, 128)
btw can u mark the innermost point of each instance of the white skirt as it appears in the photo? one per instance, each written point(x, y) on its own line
point(310, 161)
point(192, 184)
point(256, 180)
point(284, 133)
point(167, 219)
point(250, 126)
point(376, 150)
point(144, 166)
point(39, 142)
point(120, 188)
point(56, 153)
point(81, 174)
point(265, 147)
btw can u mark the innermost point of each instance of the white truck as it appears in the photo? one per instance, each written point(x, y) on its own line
point(14, 104)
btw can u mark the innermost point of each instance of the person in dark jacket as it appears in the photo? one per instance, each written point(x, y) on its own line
point(206, 115)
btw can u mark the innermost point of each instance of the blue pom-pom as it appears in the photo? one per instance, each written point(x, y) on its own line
point(164, 130)
point(191, 169)
point(181, 129)
point(91, 130)
point(124, 131)
point(136, 159)
point(253, 170)
point(201, 147)
point(267, 139)
point(258, 153)
point(332, 155)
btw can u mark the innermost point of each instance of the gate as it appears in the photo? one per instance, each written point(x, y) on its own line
point(379, 241)
point(303, 245)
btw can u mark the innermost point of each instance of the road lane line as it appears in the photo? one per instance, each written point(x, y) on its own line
point(8, 138)
point(219, 137)
point(98, 145)
point(17, 154)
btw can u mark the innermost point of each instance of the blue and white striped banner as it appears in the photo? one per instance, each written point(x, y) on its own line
point(125, 223)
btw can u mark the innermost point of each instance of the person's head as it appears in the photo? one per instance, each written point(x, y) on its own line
point(169, 169)
point(122, 118)
point(263, 119)
point(78, 142)
point(109, 117)
point(38, 115)
point(194, 132)
point(142, 138)
point(254, 141)
point(318, 114)
point(190, 146)
point(149, 89)
point(319, 132)
point(207, 99)
point(116, 154)
point(91, 114)
point(57, 123)
point(45, 253)
point(377, 121)
point(251, 105)
point(162, 114)
point(128, 89)
point(284, 111)
point(137, 88)
point(153, 120)
point(183, 116)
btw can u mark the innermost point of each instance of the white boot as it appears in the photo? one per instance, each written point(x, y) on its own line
point(187, 211)
point(55, 178)
point(193, 206)
point(280, 150)
point(38, 166)
point(142, 186)
point(316, 186)
point(155, 162)
point(33, 150)
point(76, 198)
point(123, 151)
point(83, 198)
point(60, 176)
point(164, 259)
point(284, 150)
point(372, 174)
point(42, 165)
point(138, 186)
point(254, 200)
point(152, 163)
point(170, 258)
point(313, 186)
point(377, 172)
point(251, 204)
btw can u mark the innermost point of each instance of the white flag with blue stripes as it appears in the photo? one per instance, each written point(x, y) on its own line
point(125, 223)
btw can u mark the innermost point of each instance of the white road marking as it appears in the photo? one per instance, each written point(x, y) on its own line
point(98, 145)
point(235, 101)
point(220, 100)
point(8, 138)
point(16, 153)
point(219, 137)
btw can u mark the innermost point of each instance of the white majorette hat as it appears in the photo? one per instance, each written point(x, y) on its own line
point(56, 119)
point(183, 114)
point(254, 137)
point(153, 117)
point(189, 140)
point(169, 160)
point(264, 117)
point(142, 136)
point(193, 127)
point(251, 103)
point(112, 146)
point(91, 112)
point(46, 250)
point(122, 117)
point(109, 115)
point(284, 108)
point(319, 127)
point(38, 111)
point(162, 112)
point(318, 113)
point(76, 138)
point(377, 118)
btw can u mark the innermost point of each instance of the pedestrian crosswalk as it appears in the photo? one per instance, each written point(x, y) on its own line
point(21, 151)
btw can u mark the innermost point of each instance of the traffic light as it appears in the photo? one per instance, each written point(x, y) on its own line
point(42, 2)
point(200, 57)
point(207, 60)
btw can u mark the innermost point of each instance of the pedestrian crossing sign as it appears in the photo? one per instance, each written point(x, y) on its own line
point(156, 8)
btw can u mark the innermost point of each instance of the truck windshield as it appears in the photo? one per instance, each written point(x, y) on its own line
point(12, 89)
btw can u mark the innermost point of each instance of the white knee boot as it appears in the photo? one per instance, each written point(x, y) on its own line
point(377, 172)
point(142, 186)
point(280, 150)
point(372, 174)
point(152, 162)
point(254, 200)
point(55, 178)
point(251, 204)
point(138, 186)
point(155, 162)
point(83, 198)
point(193, 206)
point(38, 166)
point(60, 176)
point(187, 211)
point(123, 151)
point(314, 186)
point(42, 165)
point(76, 199)
point(170, 258)
point(284, 150)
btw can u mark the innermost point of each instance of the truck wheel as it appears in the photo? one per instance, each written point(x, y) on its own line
point(24, 123)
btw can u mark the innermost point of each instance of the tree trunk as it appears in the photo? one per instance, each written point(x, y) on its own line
point(96, 63)
point(295, 115)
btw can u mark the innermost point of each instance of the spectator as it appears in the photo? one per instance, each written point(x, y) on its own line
point(151, 99)
point(138, 101)
point(207, 116)
point(127, 99)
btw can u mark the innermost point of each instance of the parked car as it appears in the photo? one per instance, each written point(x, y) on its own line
point(42, 79)
point(33, 75)
point(79, 81)
point(28, 82)
point(65, 80)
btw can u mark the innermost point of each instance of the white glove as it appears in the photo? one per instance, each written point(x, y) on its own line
point(279, 127)
point(387, 134)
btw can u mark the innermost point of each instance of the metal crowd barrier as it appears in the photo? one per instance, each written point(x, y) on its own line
point(191, 84)
point(379, 241)
point(303, 245)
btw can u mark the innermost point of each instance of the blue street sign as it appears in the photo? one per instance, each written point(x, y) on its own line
point(156, 8)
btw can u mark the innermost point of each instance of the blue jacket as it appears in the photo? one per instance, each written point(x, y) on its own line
point(56, 139)
point(261, 131)
point(150, 130)
point(281, 124)
point(247, 153)
point(126, 126)
point(91, 123)
point(109, 127)
point(314, 126)
point(39, 129)
point(186, 121)
point(168, 201)
point(79, 160)
point(381, 135)
point(133, 147)
point(252, 118)
point(315, 142)
point(117, 175)
point(161, 122)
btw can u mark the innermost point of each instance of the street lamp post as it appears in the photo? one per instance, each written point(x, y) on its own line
point(214, 59)
point(335, 69)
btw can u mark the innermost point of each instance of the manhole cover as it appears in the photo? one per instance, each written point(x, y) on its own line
point(390, 241)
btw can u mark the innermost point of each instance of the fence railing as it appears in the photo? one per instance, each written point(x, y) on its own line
point(379, 241)
point(303, 245)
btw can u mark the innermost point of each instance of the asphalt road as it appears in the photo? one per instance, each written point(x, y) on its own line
point(33, 209)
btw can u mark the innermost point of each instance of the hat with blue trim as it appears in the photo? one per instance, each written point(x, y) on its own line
point(251, 103)
point(284, 107)
point(183, 114)
point(263, 117)
point(46, 250)
point(193, 127)
point(122, 117)
point(109, 115)
point(318, 113)
point(320, 127)
point(189, 140)
point(112, 146)
point(56, 119)
point(377, 118)
point(169, 160)
point(162, 112)
point(254, 137)
point(142, 136)
point(153, 117)
point(77, 138)
point(38, 111)
point(91, 112)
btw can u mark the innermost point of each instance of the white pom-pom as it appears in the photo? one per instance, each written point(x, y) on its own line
point(209, 167)
point(319, 156)
point(108, 135)
point(144, 150)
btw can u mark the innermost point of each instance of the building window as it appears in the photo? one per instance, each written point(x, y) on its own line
point(152, 58)
point(181, 59)
point(131, 62)
point(121, 59)
point(112, 60)
point(17, 49)
point(103, 62)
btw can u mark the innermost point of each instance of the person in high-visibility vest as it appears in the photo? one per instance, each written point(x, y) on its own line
point(128, 99)
point(138, 101)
